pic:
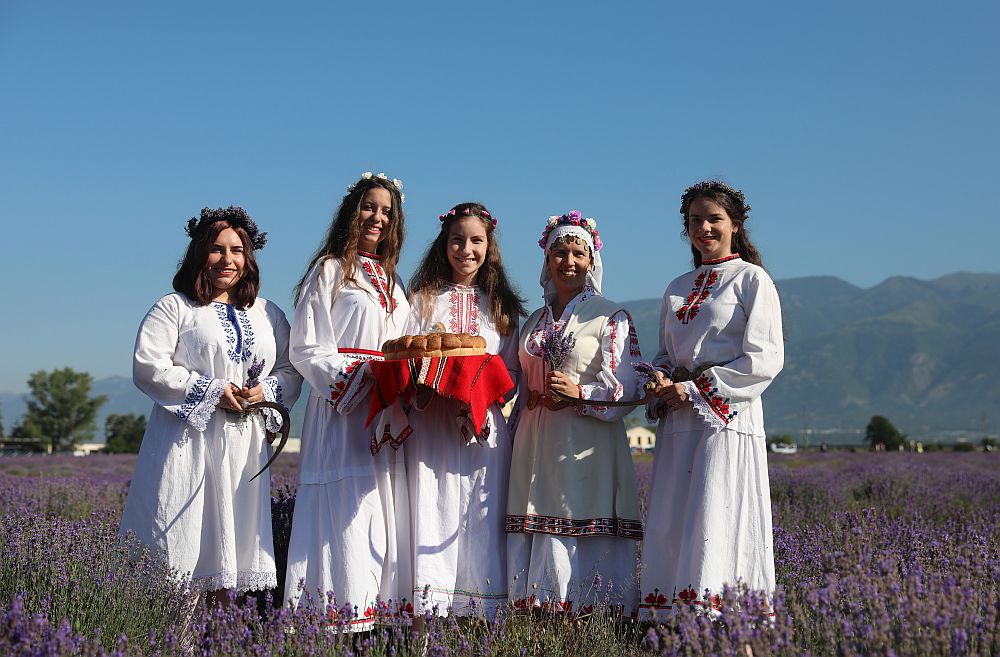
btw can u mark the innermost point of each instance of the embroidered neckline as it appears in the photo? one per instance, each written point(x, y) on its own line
point(373, 256)
point(699, 293)
point(379, 280)
point(719, 261)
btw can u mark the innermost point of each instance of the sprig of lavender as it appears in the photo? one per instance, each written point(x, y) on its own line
point(254, 371)
point(556, 347)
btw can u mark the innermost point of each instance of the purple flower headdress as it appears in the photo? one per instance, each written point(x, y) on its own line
point(236, 216)
point(572, 218)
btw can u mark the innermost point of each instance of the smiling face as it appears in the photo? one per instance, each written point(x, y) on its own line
point(376, 207)
point(466, 248)
point(568, 262)
point(710, 229)
point(225, 263)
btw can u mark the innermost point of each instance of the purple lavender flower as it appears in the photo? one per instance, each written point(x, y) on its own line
point(254, 371)
point(556, 347)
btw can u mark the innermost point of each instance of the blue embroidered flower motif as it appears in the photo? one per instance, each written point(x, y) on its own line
point(194, 397)
point(239, 331)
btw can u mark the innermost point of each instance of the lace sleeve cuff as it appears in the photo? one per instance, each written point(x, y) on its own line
point(201, 401)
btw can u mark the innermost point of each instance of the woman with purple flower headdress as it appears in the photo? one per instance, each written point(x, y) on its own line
point(573, 506)
point(201, 354)
point(709, 520)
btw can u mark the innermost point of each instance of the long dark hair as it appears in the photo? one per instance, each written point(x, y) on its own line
point(735, 205)
point(192, 278)
point(341, 239)
point(434, 272)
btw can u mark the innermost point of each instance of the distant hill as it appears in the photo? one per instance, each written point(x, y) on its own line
point(922, 353)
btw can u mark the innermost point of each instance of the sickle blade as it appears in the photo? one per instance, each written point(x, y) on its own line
point(286, 426)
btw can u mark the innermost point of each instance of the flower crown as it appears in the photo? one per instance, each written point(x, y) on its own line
point(368, 175)
point(468, 211)
point(237, 218)
point(715, 186)
point(573, 218)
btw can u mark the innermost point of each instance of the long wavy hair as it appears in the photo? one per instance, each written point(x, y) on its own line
point(434, 271)
point(192, 278)
point(341, 239)
point(735, 205)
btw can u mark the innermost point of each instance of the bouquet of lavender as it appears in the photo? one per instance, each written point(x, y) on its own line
point(556, 347)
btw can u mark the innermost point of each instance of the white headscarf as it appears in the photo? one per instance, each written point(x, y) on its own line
point(596, 272)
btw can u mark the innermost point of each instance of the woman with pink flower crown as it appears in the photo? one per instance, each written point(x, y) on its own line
point(573, 507)
point(709, 520)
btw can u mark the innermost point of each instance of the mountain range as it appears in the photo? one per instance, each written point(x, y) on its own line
point(921, 353)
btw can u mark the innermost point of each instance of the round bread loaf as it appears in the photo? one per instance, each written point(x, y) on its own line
point(434, 344)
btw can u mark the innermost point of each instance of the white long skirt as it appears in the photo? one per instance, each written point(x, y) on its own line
point(458, 498)
point(350, 538)
point(191, 497)
point(570, 573)
point(709, 520)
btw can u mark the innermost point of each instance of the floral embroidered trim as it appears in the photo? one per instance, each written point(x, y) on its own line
point(687, 596)
point(713, 405)
point(345, 379)
point(381, 284)
point(702, 286)
point(272, 393)
point(535, 602)
point(718, 261)
point(464, 309)
point(536, 524)
point(200, 402)
point(373, 256)
point(239, 331)
point(419, 590)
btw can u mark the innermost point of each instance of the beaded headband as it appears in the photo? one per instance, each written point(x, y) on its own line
point(573, 218)
point(368, 175)
point(468, 211)
point(237, 218)
point(716, 186)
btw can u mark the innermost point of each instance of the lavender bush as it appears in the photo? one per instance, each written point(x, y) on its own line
point(888, 554)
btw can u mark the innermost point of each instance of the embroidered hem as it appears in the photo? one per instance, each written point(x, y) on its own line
point(418, 591)
point(536, 524)
point(240, 581)
point(206, 405)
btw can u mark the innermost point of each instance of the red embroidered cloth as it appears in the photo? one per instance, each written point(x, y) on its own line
point(477, 381)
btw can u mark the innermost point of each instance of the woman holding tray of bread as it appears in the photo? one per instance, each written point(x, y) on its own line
point(350, 532)
point(458, 472)
point(721, 345)
point(573, 508)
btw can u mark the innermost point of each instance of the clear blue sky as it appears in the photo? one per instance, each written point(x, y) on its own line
point(864, 134)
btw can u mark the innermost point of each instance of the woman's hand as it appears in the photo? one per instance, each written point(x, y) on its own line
point(559, 382)
point(674, 395)
point(252, 395)
point(230, 399)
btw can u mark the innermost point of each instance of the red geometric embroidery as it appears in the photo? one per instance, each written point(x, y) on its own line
point(464, 310)
point(380, 282)
point(700, 292)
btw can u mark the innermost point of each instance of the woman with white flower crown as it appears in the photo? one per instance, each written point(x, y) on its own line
point(709, 520)
point(350, 530)
point(573, 508)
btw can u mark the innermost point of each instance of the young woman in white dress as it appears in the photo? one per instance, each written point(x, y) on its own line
point(350, 534)
point(709, 520)
point(201, 353)
point(573, 507)
point(458, 472)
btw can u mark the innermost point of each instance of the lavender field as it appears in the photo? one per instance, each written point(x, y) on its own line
point(876, 554)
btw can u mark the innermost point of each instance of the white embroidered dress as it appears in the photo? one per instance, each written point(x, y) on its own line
point(709, 520)
point(350, 532)
point(458, 481)
point(190, 494)
point(573, 506)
